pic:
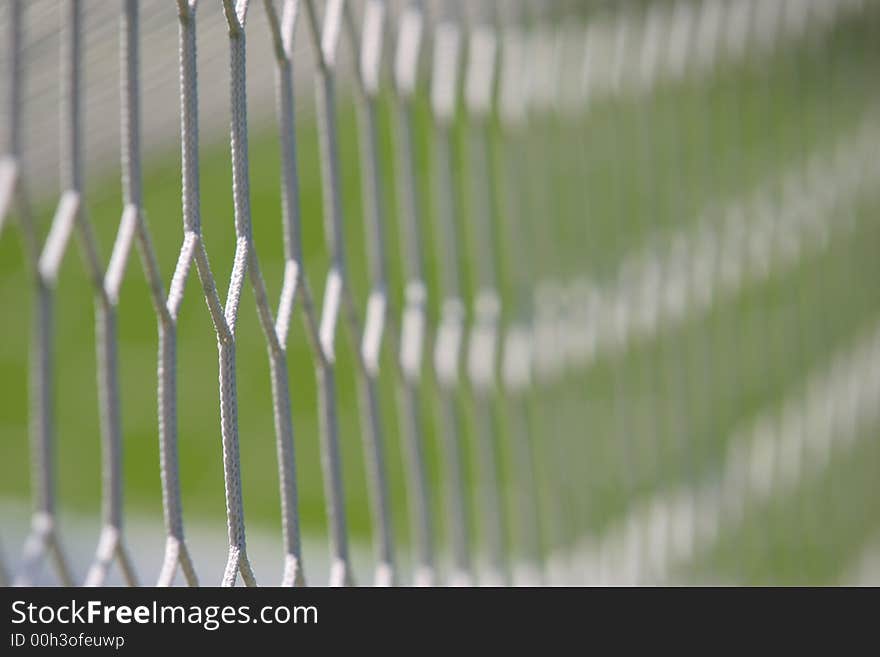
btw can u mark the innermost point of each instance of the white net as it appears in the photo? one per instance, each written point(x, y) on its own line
point(622, 329)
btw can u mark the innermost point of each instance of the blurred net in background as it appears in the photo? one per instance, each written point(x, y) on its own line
point(552, 292)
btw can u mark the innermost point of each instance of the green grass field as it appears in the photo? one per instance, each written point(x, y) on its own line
point(650, 168)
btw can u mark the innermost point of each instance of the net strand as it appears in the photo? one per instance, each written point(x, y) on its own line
point(245, 264)
point(409, 335)
point(517, 363)
point(295, 281)
point(483, 343)
point(448, 342)
point(44, 538)
point(176, 549)
point(111, 543)
point(10, 162)
point(325, 37)
point(508, 93)
point(367, 44)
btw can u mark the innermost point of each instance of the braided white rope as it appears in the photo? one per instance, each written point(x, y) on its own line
point(295, 280)
point(325, 36)
point(44, 538)
point(744, 237)
point(766, 459)
point(574, 322)
point(541, 91)
point(411, 336)
point(9, 161)
point(517, 356)
point(560, 338)
point(671, 274)
point(245, 262)
point(483, 343)
point(448, 344)
point(747, 236)
point(192, 249)
point(368, 43)
point(132, 223)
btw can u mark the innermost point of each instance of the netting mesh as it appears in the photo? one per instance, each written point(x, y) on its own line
point(622, 329)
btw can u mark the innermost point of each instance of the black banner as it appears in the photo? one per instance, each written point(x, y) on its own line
point(269, 619)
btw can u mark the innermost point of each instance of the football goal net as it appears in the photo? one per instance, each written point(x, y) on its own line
point(439, 292)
